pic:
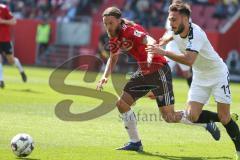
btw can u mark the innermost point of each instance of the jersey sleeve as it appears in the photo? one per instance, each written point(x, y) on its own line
point(136, 34)
point(195, 41)
point(7, 13)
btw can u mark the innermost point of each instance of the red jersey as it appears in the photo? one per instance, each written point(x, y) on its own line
point(5, 35)
point(130, 39)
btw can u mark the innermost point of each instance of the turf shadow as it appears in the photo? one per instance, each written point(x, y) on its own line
point(27, 159)
point(168, 157)
point(26, 90)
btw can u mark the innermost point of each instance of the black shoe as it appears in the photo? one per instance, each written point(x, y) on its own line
point(2, 85)
point(132, 147)
point(24, 76)
point(213, 130)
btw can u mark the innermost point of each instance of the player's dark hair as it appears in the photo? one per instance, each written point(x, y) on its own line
point(181, 7)
point(112, 11)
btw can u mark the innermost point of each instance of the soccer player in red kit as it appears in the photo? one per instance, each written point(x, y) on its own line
point(6, 48)
point(153, 74)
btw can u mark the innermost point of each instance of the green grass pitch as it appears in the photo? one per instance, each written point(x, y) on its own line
point(29, 108)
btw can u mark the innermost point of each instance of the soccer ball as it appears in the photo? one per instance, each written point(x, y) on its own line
point(22, 145)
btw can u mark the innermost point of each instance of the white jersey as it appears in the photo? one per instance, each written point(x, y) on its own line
point(172, 46)
point(208, 66)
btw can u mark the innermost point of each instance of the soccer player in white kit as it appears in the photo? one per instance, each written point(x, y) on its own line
point(210, 74)
point(172, 46)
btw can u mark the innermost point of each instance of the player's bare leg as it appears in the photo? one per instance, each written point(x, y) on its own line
point(14, 60)
point(203, 118)
point(130, 122)
point(194, 110)
point(230, 126)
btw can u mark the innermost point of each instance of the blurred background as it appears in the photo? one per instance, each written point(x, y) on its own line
point(49, 32)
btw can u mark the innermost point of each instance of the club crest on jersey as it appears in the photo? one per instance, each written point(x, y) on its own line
point(137, 33)
point(126, 45)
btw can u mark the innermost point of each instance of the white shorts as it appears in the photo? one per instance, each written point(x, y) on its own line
point(220, 91)
point(172, 46)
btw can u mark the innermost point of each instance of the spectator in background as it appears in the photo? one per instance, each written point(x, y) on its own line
point(232, 7)
point(128, 12)
point(95, 5)
point(84, 7)
point(158, 13)
point(155, 18)
point(166, 6)
point(143, 12)
point(220, 11)
point(17, 7)
point(42, 38)
point(71, 8)
point(201, 1)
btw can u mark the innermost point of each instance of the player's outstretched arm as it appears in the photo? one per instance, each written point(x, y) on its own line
point(165, 39)
point(188, 58)
point(11, 21)
point(111, 63)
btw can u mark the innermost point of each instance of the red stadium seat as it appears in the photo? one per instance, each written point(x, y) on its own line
point(213, 1)
point(199, 21)
point(212, 24)
point(222, 22)
point(197, 9)
point(209, 11)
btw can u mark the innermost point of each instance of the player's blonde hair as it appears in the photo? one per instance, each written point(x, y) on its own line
point(112, 11)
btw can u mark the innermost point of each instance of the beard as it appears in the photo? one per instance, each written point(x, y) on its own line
point(113, 33)
point(180, 29)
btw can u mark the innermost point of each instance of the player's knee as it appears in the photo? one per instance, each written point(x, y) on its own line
point(224, 118)
point(11, 61)
point(121, 106)
point(193, 117)
point(118, 103)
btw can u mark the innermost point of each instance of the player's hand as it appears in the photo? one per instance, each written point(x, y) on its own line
point(155, 49)
point(101, 83)
point(162, 42)
point(165, 39)
point(2, 21)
